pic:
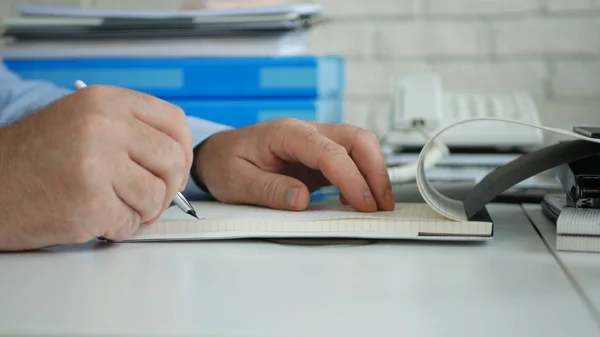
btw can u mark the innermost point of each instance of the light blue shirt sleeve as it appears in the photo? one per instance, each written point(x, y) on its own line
point(19, 98)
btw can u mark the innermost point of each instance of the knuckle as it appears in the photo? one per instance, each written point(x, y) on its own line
point(98, 95)
point(271, 134)
point(177, 162)
point(323, 145)
point(152, 194)
point(86, 170)
point(93, 94)
point(315, 138)
point(176, 115)
point(364, 135)
point(93, 126)
point(286, 122)
point(331, 148)
point(180, 163)
point(157, 195)
point(269, 190)
point(180, 116)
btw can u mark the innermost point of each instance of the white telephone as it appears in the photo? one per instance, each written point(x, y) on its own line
point(420, 104)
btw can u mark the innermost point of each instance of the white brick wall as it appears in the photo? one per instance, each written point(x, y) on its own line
point(550, 48)
point(432, 38)
point(344, 38)
point(572, 5)
point(362, 8)
point(548, 36)
point(486, 7)
point(577, 79)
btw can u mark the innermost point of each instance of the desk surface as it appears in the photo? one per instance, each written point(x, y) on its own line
point(584, 268)
point(509, 286)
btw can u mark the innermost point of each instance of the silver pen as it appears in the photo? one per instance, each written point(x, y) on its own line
point(179, 199)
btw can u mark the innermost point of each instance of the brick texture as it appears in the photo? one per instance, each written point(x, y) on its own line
point(571, 114)
point(432, 38)
point(577, 79)
point(566, 115)
point(572, 5)
point(361, 8)
point(481, 7)
point(374, 78)
point(342, 38)
point(549, 48)
point(548, 36)
point(489, 76)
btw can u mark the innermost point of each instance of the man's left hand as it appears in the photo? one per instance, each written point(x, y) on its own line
point(277, 164)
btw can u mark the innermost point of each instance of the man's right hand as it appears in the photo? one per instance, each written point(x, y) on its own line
point(97, 163)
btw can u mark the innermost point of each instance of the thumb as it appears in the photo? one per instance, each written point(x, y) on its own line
point(277, 191)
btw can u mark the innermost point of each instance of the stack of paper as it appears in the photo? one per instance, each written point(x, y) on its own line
point(578, 229)
point(47, 31)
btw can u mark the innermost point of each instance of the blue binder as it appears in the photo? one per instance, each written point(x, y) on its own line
point(240, 113)
point(222, 77)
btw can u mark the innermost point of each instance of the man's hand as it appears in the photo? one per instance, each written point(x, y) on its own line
point(97, 163)
point(277, 164)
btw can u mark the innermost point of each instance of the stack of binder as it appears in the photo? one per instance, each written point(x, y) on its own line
point(232, 66)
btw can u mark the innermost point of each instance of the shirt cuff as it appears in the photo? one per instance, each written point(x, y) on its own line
point(201, 130)
point(20, 99)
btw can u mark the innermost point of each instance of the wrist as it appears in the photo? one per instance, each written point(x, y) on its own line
point(197, 171)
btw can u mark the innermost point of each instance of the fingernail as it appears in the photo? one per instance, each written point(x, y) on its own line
point(291, 197)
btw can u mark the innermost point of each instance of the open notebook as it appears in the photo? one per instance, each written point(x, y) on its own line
point(321, 220)
point(439, 217)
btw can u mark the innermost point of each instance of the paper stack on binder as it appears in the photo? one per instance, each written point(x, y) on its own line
point(55, 31)
point(235, 66)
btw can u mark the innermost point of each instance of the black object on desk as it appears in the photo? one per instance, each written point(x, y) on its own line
point(580, 180)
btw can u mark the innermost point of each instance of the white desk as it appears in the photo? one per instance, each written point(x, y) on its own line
point(584, 268)
point(511, 286)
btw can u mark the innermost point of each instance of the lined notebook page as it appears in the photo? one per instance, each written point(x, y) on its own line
point(318, 211)
point(218, 220)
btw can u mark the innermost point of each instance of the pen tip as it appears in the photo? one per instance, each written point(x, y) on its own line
point(193, 213)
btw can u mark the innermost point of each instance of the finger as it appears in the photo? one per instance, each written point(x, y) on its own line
point(139, 189)
point(297, 141)
point(313, 179)
point(167, 118)
point(271, 189)
point(123, 219)
point(343, 200)
point(160, 155)
point(365, 150)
